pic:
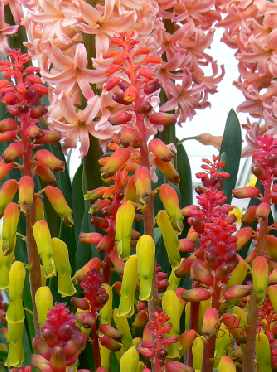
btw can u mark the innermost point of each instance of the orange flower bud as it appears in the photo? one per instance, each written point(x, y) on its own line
point(44, 173)
point(184, 267)
point(196, 294)
point(120, 118)
point(270, 244)
point(26, 190)
point(160, 150)
point(210, 321)
point(129, 137)
point(109, 331)
point(175, 366)
point(237, 291)
point(10, 222)
point(130, 190)
point(162, 118)
point(116, 161)
point(243, 236)
point(246, 192)
point(7, 125)
point(59, 203)
point(91, 238)
point(201, 273)
point(49, 137)
point(272, 294)
point(7, 193)
point(92, 264)
point(47, 159)
point(13, 151)
point(186, 339)
point(250, 215)
point(273, 277)
point(226, 364)
point(8, 136)
point(5, 169)
point(167, 168)
point(170, 200)
point(110, 343)
point(260, 273)
point(263, 210)
point(142, 183)
point(186, 245)
point(39, 209)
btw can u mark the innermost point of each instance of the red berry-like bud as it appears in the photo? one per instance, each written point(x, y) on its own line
point(237, 291)
point(196, 294)
point(263, 210)
point(161, 118)
point(246, 192)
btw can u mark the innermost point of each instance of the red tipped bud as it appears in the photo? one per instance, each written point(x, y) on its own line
point(10, 222)
point(263, 210)
point(231, 321)
point(113, 163)
point(13, 151)
point(200, 273)
point(49, 137)
point(184, 267)
point(26, 190)
point(196, 295)
point(8, 136)
point(142, 183)
point(186, 246)
point(186, 339)
point(161, 118)
point(93, 264)
point(86, 318)
point(246, 192)
point(44, 173)
point(270, 243)
point(243, 236)
point(129, 137)
point(167, 168)
point(160, 150)
point(91, 238)
point(110, 343)
point(109, 331)
point(59, 203)
point(210, 321)
point(120, 118)
point(80, 303)
point(47, 159)
point(260, 273)
point(7, 193)
point(141, 319)
point(237, 291)
point(8, 125)
point(175, 366)
point(250, 215)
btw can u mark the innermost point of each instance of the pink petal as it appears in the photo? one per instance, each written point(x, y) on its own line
point(80, 58)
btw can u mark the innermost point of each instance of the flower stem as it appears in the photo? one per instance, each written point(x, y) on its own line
point(95, 348)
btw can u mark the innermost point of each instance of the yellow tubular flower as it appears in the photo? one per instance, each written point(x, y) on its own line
point(5, 265)
point(123, 327)
point(44, 302)
point(128, 287)
point(16, 345)
point(263, 352)
point(10, 222)
point(197, 352)
point(129, 361)
point(125, 216)
point(17, 274)
point(63, 267)
point(44, 243)
point(145, 250)
point(107, 309)
point(170, 238)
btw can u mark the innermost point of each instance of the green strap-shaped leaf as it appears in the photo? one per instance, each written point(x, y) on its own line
point(230, 151)
point(184, 170)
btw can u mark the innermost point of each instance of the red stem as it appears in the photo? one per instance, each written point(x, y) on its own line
point(95, 347)
point(33, 257)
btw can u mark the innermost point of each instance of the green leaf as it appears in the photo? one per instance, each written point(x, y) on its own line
point(230, 151)
point(184, 170)
point(78, 201)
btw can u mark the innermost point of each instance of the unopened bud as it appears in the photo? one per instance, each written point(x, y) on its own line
point(186, 246)
point(26, 190)
point(59, 203)
point(10, 222)
point(250, 215)
point(167, 168)
point(170, 200)
point(47, 159)
point(8, 136)
point(270, 243)
point(13, 151)
point(175, 366)
point(44, 302)
point(173, 306)
point(115, 161)
point(142, 183)
point(186, 339)
point(44, 173)
point(260, 273)
point(7, 193)
point(162, 118)
point(210, 321)
point(38, 208)
point(196, 294)
point(109, 331)
point(129, 361)
point(8, 124)
point(93, 264)
point(169, 237)
point(120, 118)
point(243, 236)
point(125, 216)
point(110, 343)
point(263, 210)
point(145, 250)
point(246, 192)
point(5, 169)
point(197, 353)
point(237, 291)
point(129, 136)
point(152, 86)
point(183, 269)
point(238, 274)
point(91, 238)
point(272, 294)
point(49, 137)
point(160, 150)
point(263, 352)
point(226, 364)
point(128, 287)
point(201, 273)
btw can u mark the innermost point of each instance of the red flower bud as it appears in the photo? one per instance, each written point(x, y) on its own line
point(49, 137)
point(186, 339)
point(8, 136)
point(90, 238)
point(109, 331)
point(44, 173)
point(161, 118)
point(175, 366)
point(7, 125)
point(120, 118)
point(26, 190)
point(5, 169)
point(47, 159)
point(167, 168)
point(196, 294)
point(160, 150)
point(237, 291)
point(129, 137)
point(7, 193)
point(200, 273)
point(246, 192)
point(263, 210)
point(13, 151)
point(243, 236)
point(270, 242)
point(110, 343)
